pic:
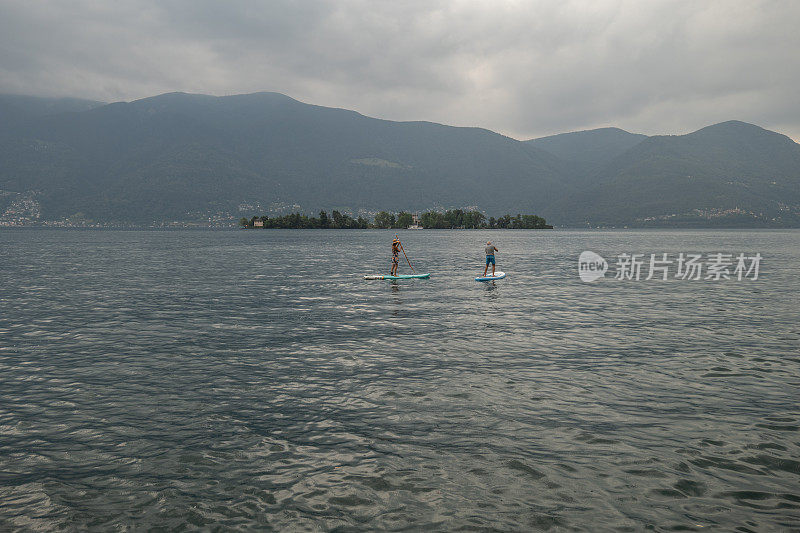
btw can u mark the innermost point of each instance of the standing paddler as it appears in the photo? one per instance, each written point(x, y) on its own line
point(397, 247)
point(395, 255)
point(490, 250)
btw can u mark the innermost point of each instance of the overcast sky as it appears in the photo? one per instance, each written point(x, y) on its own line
point(525, 69)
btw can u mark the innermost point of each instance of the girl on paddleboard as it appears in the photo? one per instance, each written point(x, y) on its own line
point(395, 255)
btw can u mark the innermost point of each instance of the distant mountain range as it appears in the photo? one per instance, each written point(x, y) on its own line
point(731, 173)
point(584, 153)
point(182, 157)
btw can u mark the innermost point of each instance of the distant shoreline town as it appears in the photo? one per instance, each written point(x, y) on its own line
point(453, 219)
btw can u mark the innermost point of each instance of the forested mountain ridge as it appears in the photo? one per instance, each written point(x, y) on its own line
point(166, 156)
point(732, 173)
point(183, 157)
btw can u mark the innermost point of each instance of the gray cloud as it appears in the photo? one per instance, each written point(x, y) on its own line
point(521, 68)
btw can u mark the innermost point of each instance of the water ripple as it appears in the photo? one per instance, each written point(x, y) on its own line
point(252, 380)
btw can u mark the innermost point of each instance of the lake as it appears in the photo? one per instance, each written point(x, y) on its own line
point(252, 379)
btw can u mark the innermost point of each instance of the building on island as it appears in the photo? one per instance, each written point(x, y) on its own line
point(415, 222)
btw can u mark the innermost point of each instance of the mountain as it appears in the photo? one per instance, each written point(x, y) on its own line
point(582, 153)
point(186, 157)
point(170, 155)
point(18, 109)
point(733, 174)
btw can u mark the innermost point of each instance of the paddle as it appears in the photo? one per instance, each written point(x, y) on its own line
point(407, 261)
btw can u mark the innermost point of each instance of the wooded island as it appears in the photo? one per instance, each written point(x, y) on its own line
point(453, 219)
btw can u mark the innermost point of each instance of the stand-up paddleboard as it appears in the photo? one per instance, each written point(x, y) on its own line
point(497, 275)
point(402, 276)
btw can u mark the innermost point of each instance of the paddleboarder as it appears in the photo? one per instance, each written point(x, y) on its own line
point(395, 255)
point(490, 250)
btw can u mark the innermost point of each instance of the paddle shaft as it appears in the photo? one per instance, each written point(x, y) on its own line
point(407, 261)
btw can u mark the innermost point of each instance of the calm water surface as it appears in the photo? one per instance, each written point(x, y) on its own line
point(252, 379)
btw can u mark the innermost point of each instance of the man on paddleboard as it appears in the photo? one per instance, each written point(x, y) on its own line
point(490, 250)
point(395, 255)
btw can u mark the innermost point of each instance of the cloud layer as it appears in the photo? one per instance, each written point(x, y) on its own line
point(525, 69)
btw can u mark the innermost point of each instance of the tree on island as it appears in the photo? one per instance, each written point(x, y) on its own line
point(384, 220)
point(404, 220)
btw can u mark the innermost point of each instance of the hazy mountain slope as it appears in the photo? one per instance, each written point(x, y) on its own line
point(725, 167)
point(16, 110)
point(584, 152)
point(171, 154)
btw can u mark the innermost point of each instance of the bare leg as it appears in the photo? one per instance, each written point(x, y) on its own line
point(485, 269)
point(492, 269)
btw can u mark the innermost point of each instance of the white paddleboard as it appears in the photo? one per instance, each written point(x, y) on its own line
point(401, 276)
point(489, 277)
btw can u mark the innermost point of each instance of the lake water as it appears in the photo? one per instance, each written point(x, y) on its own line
point(252, 379)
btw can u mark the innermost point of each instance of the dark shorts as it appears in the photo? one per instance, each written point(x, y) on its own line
point(489, 259)
point(394, 260)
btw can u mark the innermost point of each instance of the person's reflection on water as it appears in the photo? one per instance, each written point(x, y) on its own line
point(398, 302)
point(491, 289)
